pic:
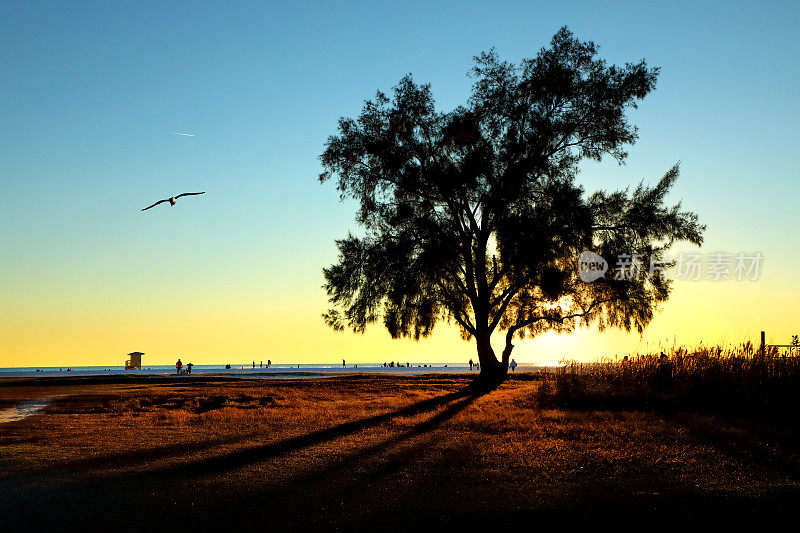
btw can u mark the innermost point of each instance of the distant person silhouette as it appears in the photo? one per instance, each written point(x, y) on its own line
point(343, 365)
point(269, 363)
point(178, 366)
point(513, 365)
point(254, 364)
point(188, 368)
point(664, 373)
point(471, 364)
point(626, 368)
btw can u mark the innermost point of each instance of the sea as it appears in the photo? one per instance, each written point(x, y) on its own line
point(281, 371)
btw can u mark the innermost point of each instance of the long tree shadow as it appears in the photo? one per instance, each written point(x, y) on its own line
point(354, 459)
point(108, 491)
point(139, 457)
point(284, 504)
point(237, 459)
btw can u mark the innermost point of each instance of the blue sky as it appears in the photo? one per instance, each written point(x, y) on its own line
point(90, 92)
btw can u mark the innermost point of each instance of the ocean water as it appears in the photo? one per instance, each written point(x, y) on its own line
point(282, 371)
point(24, 409)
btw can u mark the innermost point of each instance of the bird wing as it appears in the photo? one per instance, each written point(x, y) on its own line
point(189, 194)
point(155, 204)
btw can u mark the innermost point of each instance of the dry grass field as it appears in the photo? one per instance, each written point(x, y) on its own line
point(385, 453)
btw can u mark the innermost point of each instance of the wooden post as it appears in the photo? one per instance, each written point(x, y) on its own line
point(763, 344)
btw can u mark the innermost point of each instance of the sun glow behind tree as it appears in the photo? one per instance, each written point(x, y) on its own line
point(474, 216)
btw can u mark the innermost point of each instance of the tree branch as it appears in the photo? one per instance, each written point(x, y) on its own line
point(560, 319)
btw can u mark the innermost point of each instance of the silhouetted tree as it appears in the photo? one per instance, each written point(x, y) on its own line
point(474, 216)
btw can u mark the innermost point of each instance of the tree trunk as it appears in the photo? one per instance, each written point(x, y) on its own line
point(506, 355)
point(492, 370)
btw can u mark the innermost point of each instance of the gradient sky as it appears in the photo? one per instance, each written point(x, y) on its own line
point(91, 91)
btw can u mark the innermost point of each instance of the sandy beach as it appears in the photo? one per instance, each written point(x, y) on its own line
point(375, 451)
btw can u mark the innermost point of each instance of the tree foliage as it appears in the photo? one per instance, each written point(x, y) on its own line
point(474, 215)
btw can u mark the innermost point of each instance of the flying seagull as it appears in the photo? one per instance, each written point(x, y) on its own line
point(173, 199)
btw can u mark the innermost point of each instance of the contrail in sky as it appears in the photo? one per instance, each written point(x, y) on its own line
point(179, 133)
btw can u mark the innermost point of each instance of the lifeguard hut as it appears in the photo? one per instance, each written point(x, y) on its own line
point(135, 361)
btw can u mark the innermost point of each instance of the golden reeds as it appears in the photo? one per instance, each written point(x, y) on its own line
point(722, 376)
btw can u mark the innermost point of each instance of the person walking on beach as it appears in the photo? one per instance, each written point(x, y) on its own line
point(343, 365)
point(513, 365)
point(188, 368)
point(470, 364)
point(269, 363)
point(178, 366)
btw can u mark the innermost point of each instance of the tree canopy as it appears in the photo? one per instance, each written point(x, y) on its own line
point(474, 215)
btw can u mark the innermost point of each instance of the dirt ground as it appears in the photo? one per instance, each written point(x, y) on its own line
point(374, 453)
